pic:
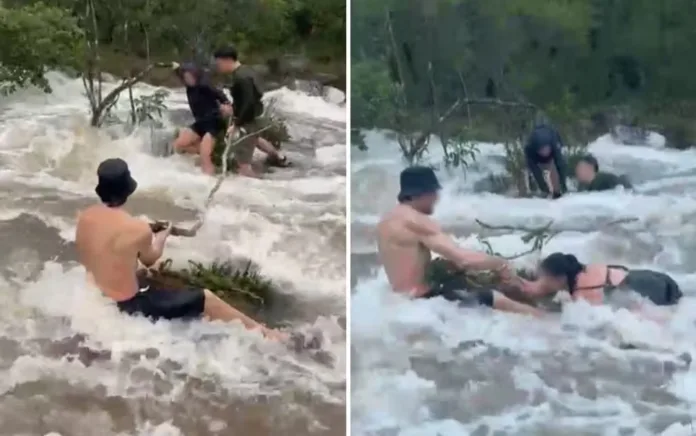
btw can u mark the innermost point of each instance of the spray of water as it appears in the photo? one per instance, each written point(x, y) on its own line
point(71, 363)
point(420, 368)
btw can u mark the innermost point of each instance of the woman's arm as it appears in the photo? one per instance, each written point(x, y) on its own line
point(533, 288)
point(593, 296)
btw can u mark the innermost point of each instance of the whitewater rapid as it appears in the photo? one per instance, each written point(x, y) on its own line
point(416, 368)
point(70, 363)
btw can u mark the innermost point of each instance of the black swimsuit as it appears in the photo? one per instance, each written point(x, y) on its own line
point(657, 287)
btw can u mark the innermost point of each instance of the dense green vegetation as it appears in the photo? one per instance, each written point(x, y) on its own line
point(123, 34)
point(486, 70)
point(139, 39)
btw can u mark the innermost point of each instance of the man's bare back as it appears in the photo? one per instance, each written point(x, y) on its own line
point(406, 236)
point(108, 241)
point(402, 251)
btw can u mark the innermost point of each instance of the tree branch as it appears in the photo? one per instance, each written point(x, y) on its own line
point(112, 96)
point(178, 231)
point(539, 235)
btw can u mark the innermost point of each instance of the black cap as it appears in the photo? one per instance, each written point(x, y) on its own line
point(543, 135)
point(229, 52)
point(115, 182)
point(417, 181)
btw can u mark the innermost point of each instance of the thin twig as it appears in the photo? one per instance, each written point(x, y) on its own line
point(179, 231)
point(539, 235)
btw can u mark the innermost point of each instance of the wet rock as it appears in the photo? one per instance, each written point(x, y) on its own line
point(629, 135)
point(680, 136)
point(289, 64)
point(261, 69)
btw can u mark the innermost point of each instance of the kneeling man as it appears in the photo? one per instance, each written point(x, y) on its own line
point(407, 235)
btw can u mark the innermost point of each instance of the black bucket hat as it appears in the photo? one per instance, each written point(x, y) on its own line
point(417, 181)
point(115, 182)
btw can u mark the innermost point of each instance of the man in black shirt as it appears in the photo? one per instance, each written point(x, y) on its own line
point(248, 111)
point(209, 107)
point(591, 179)
point(543, 153)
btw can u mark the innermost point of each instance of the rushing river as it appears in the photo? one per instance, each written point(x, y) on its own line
point(71, 364)
point(416, 370)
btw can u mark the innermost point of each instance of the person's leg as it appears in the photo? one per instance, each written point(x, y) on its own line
point(274, 157)
point(206, 153)
point(216, 309)
point(501, 302)
point(166, 303)
point(264, 145)
point(187, 141)
point(492, 299)
point(244, 153)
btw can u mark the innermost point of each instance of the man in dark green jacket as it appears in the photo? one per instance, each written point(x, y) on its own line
point(248, 111)
point(591, 179)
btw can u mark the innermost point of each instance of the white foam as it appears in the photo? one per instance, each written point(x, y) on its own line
point(390, 392)
point(277, 223)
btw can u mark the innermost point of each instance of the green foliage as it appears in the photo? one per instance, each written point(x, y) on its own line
point(373, 96)
point(442, 275)
point(236, 286)
point(149, 107)
point(36, 38)
point(571, 59)
point(277, 134)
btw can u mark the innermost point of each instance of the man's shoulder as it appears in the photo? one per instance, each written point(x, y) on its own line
point(243, 72)
point(606, 178)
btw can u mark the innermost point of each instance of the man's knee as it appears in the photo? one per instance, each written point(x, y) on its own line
point(245, 169)
point(207, 143)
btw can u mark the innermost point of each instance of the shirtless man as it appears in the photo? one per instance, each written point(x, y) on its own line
point(110, 242)
point(406, 236)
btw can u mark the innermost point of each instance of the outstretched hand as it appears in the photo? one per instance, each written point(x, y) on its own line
point(507, 274)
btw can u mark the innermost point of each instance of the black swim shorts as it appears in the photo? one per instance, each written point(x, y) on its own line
point(658, 287)
point(463, 298)
point(214, 126)
point(167, 304)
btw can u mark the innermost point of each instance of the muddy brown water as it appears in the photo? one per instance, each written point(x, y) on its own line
point(66, 372)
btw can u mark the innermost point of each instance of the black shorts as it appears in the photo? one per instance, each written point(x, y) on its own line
point(463, 298)
point(213, 126)
point(657, 287)
point(161, 303)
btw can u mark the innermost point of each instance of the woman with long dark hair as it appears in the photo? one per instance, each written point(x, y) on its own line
point(597, 282)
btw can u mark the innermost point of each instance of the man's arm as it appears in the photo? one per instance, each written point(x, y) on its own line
point(243, 90)
point(560, 162)
point(505, 304)
point(533, 288)
point(436, 240)
point(150, 246)
point(219, 95)
point(533, 167)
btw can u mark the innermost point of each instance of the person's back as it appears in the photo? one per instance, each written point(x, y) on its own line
point(604, 181)
point(542, 136)
point(543, 153)
point(403, 256)
point(107, 247)
point(246, 94)
point(203, 102)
